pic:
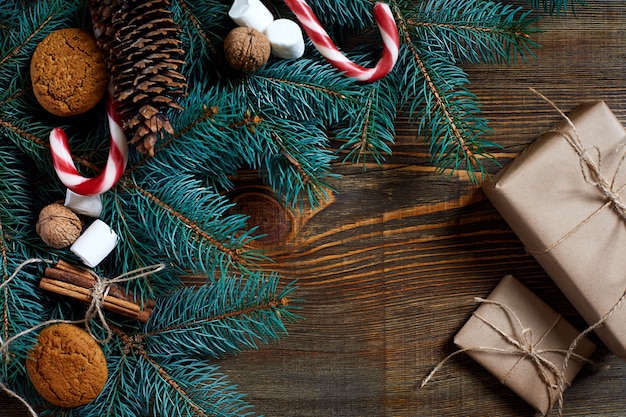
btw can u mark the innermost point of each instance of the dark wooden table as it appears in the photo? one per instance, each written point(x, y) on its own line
point(388, 269)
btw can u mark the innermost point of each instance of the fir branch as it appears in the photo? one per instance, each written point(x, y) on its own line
point(136, 251)
point(29, 27)
point(474, 31)
point(7, 9)
point(202, 144)
point(225, 316)
point(305, 178)
point(370, 131)
point(18, 48)
point(23, 307)
point(120, 394)
point(164, 365)
point(193, 388)
point(20, 305)
point(207, 114)
point(449, 118)
point(180, 210)
point(18, 132)
point(556, 6)
point(294, 90)
point(446, 111)
point(341, 19)
point(248, 121)
point(195, 15)
point(296, 162)
point(239, 135)
point(204, 26)
point(16, 217)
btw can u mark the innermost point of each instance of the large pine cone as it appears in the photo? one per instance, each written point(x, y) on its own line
point(143, 51)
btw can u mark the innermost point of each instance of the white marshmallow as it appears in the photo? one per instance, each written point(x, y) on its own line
point(251, 14)
point(96, 242)
point(286, 39)
point(88, 205)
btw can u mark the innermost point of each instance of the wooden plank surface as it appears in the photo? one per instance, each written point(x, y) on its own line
point(388, 269)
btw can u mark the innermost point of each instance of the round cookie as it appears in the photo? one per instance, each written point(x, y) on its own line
point(68, 72)
point(67, 367)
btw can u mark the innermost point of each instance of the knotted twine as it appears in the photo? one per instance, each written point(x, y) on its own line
point(101, 289)
point(592, 174)
point(523, 344)
point(98, 293)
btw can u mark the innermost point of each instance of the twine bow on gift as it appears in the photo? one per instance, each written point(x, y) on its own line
point(523, 344)
point(591, 172)
point(526, 346)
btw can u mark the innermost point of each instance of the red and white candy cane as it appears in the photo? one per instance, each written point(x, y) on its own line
point(323, 43)
point(115, 165)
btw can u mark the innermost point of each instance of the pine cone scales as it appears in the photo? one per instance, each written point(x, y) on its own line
point(142, 45)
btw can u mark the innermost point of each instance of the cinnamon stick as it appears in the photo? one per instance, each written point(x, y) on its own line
point(85, 281)
point(79, 293)
point(72, 291)
point(84, 277)
point(81, 277)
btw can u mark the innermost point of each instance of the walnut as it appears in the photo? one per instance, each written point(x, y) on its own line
point(58, 226)
point(247, 49)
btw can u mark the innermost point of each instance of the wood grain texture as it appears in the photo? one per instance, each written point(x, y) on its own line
point(388, 269)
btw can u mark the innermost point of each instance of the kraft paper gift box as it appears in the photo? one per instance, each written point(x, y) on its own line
point(514, 314)
point(553, 198)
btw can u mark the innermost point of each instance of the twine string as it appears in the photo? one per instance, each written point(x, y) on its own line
point(521, 343)
point(4, 344)
point(99, 291)
point(21, 399)
point(592, 174)
point(525, 344)
point(581, 336)
point(591, 171)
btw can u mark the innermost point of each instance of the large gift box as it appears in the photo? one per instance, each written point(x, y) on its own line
point(564, 198)
point(524, 343)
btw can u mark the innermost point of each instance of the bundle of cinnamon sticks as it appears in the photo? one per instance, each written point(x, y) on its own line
point(77, 282)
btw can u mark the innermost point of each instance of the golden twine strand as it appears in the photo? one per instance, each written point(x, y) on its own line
point(613, 197)
point(99, 291)
point(525, 344)
point(594, 177)
point(526, 348)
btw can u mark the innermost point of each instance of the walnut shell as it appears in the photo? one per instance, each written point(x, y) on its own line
point(58, 226)
point(247, 49)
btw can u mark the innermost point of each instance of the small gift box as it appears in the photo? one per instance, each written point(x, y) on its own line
point(524, 343)
point(564, 199)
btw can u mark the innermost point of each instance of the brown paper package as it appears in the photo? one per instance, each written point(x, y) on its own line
point(549, 200)
point(547, 331)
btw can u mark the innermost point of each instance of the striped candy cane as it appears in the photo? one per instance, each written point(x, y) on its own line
point(323, 43)
point(115, 165)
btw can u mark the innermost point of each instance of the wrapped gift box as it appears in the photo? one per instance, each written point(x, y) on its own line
point(517, 315)
point(551, 199)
